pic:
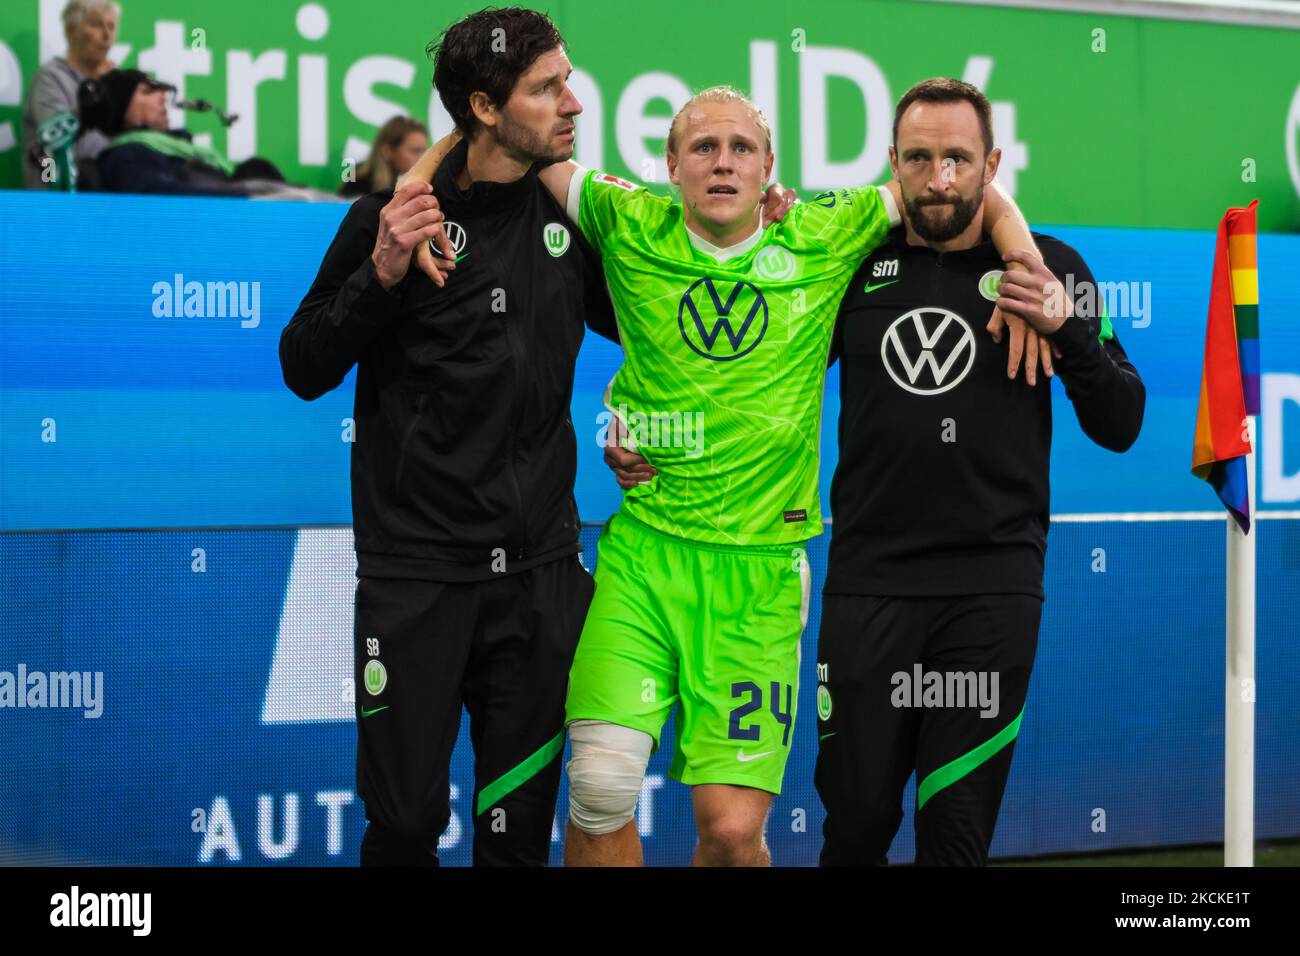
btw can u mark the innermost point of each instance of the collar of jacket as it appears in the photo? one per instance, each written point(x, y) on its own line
point(482, 195)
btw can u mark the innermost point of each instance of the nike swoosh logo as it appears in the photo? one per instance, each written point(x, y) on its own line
point(880, 285)
point(831, 734)
point(466, 256)
point(745, 758)
point(367, 713)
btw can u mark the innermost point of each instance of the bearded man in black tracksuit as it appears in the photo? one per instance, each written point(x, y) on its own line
point(471, 591)
point(940, 498)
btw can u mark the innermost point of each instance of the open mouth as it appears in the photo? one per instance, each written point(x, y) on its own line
point(722, 190)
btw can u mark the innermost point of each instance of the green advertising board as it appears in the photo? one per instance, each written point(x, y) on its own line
point(1102, 119)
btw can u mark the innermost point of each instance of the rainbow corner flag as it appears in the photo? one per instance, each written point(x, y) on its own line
point(1230, 375)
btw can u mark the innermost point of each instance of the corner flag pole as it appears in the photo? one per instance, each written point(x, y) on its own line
point(1223, 454)
point(1239, 688)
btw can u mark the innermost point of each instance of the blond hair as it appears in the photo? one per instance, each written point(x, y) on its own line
point(721, 94)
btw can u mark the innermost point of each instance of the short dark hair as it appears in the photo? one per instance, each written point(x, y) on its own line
point(944, 89)
point(488, 51)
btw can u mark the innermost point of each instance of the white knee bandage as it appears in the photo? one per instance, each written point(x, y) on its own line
point(605, 774)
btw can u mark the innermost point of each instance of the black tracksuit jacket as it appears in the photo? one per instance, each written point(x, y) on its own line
point(465, 455)
point(942, 482)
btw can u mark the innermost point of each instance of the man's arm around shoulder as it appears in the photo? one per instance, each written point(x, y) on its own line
point(1106, 390)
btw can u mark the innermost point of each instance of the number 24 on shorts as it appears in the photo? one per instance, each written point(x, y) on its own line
point(735, 731)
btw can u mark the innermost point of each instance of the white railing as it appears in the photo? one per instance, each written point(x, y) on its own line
point(1271, 13)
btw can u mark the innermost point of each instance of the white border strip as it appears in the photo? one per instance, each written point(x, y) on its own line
point(1055, 518)
point(1252, 13)
point(1166, 516)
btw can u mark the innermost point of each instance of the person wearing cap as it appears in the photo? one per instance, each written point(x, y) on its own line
point(144, 155)
point(50, 111)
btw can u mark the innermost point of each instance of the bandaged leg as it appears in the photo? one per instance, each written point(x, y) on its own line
point(605, 772)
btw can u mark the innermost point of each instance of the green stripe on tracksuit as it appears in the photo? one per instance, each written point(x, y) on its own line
point(950, 773)
point(510, 781)
point(882, 718)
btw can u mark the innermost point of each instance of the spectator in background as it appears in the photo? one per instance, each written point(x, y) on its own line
point(91, 28)
point(144, 156)
point(400, 142)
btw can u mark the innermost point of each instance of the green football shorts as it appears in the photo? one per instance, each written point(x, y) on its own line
point(709, 629)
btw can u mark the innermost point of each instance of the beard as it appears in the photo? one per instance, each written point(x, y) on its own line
point(524, 141)
point(941, 230)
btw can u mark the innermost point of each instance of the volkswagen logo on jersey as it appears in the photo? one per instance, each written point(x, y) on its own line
point(455, 235)
point(928, 351)
point(742, 317)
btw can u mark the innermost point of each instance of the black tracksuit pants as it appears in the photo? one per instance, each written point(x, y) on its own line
point(882, 716)
point(502, 648)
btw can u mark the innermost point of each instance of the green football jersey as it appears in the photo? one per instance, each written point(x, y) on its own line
point(725, 362)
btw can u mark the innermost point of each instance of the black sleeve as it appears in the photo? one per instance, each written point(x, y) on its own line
point(597, 307)
point(1106, 390)
point(343, 311)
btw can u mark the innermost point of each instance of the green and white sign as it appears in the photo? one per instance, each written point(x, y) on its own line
point(1102, 119)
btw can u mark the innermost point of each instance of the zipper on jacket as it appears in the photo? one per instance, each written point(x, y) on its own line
point(520, 518)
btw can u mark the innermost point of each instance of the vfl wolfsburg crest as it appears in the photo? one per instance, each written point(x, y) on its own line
point(376, 677)
point(556, 237)
point(823, 702)
point(989, 284)
point(775, 264)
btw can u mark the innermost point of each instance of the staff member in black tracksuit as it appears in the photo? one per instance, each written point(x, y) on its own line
point(940, 498)
point(471, 591)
